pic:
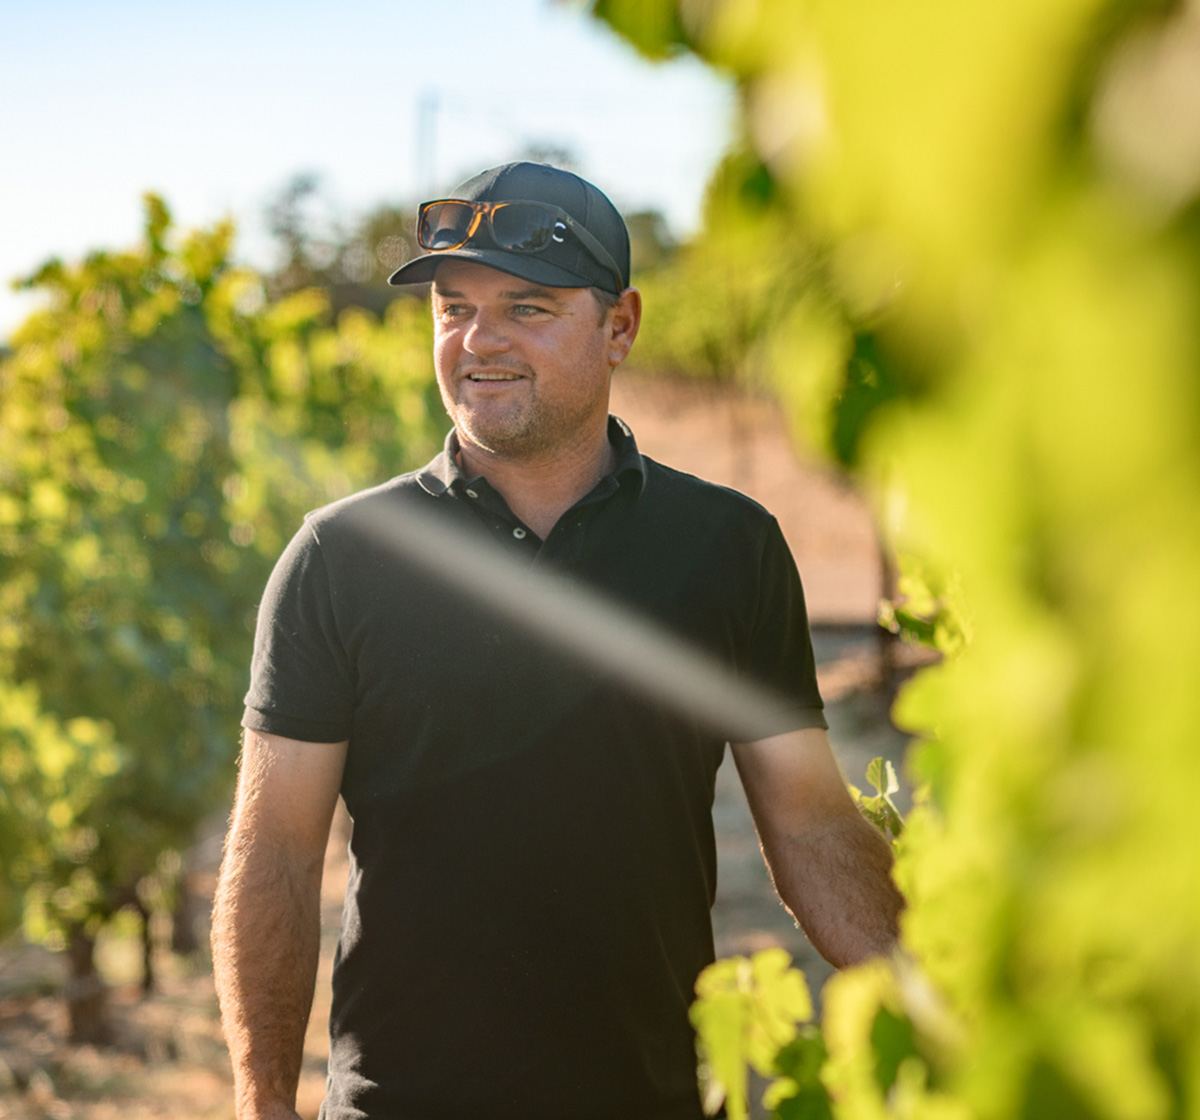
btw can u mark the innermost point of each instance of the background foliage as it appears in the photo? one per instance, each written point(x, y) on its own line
point(976, 232)
point(164, 424)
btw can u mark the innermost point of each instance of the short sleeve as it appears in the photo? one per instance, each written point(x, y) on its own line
point(780, 657)
point(301, 684)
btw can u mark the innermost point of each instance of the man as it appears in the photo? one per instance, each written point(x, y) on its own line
point(532, 852)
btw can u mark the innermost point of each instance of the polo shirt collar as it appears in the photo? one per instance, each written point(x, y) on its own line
point(441, 472)
point(443, 475)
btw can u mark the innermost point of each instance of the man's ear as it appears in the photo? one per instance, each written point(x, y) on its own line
point(622, 325)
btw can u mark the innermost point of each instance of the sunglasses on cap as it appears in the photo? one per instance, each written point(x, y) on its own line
point(516, 226)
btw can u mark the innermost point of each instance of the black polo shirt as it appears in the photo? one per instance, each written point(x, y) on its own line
point(532, 860)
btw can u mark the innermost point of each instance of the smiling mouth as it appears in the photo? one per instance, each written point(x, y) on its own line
point(493, 377)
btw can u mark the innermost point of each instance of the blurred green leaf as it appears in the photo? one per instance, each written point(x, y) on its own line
point(747, 1010)
point(652, 26)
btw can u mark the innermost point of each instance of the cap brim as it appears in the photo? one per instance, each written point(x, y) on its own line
point(421, 269)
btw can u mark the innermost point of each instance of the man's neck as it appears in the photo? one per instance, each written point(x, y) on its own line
point(540, 488)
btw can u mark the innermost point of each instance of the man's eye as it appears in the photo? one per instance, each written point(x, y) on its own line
point(453, 310)
point(527, 309)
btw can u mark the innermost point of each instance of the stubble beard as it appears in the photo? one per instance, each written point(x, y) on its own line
point(526, 426)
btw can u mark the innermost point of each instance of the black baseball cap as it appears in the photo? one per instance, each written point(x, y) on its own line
point(561, 264)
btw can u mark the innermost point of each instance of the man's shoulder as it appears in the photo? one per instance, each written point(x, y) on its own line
point(367, 505)
point(679, 488)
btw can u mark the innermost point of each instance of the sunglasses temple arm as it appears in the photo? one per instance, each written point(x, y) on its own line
point(598, 251)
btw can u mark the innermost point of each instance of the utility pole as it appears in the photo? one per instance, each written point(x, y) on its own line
point(426, 147)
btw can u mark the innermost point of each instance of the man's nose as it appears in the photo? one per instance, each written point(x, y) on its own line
point(487, 334)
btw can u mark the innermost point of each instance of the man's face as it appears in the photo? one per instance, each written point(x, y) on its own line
point(523, 369)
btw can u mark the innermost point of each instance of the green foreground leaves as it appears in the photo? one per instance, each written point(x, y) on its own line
point(747, 1011)
point(986, 229)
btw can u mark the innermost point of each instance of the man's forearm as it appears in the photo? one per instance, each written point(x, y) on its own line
point(836, 880)
point(266, 938)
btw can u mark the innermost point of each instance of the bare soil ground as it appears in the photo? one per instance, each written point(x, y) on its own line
point(170, 1060)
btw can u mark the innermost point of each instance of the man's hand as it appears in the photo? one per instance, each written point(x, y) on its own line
point(830, 867)
point(266, 917)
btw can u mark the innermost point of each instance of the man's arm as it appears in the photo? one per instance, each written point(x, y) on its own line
point(266, 919)
point(831, 868)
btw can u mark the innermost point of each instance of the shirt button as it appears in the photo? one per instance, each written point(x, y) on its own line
point(519, 533)
point(472, 494)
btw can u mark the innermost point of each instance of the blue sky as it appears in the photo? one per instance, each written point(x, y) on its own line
point(215, 106)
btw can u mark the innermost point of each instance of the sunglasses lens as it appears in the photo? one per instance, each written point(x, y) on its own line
point(524, 227)
point(444, 225)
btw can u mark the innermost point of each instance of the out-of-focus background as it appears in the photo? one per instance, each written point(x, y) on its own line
point(325, 117)
point(924, 279)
